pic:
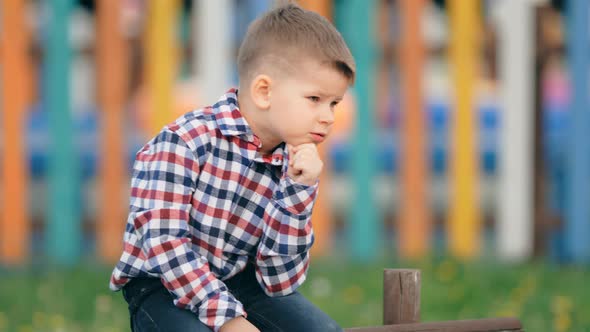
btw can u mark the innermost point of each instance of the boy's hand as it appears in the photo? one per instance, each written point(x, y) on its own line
point(305, 164)
point(238, 324)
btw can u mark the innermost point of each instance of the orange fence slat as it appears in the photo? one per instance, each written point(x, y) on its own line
point(414, 221)
point(16, 74)
point(112, 53)
point(322, 217)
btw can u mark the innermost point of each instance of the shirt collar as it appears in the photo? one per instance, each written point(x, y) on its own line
point(229, 118)
point(230, 122)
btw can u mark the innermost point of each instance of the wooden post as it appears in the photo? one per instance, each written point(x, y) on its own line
point(322, 217)
point(464, 221)
point(113, 70)
point(401, 296)
point(15, 96)
point(64, 229)
point(414, 222)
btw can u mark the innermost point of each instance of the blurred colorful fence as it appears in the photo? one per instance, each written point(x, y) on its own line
point(465, 133)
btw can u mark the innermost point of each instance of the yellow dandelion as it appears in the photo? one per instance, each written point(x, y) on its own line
point(2, 320)
point(561, 304)
point(103, 304)
point(562, 323)
point(57, 321)
point(446, 271)
point(353, 294)
point(39, 319)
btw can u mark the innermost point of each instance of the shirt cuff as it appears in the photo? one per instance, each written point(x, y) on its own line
point(218, 310)
point(295, 198)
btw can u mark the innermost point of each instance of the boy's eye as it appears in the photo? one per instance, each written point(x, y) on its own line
point(315, 99)
point(333, 104)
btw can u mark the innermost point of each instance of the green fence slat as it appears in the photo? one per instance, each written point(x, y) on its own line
point(355, 19)
point(63, 232)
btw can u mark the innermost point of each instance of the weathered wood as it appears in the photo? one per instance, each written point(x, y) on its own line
point(401, 296)
point(477, 325)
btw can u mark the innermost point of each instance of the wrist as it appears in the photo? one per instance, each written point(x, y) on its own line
point(305, 182)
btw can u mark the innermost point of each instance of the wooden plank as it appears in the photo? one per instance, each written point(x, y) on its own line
point(414, 221)
point(15, 98)
point(514, 227)
point(401, 296)
point(112, 56)
point(464, 221)
point(476, 325)
point(322, 216)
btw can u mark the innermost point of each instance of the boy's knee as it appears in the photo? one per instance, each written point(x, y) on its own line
point(326, 324)
point(331, 327)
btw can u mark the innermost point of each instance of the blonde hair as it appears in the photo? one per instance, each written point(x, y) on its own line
point(289, 33)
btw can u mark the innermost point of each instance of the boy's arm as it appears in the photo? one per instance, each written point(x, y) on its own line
point(165, 173)
point(282, 257)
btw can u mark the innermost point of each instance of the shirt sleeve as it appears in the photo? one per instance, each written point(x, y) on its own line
point(283, 253)
point(165, 173)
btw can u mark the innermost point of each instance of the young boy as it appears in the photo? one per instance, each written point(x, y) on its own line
point(219, 231)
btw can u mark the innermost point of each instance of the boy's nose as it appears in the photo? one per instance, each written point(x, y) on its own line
point(327, 116)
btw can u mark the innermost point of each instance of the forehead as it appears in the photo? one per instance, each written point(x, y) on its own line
point(313, 74)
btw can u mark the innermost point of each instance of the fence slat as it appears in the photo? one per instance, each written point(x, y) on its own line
point(414, 221)
point(365, 226)
point(112, 56)
point(401, 296)
point(15, 98)
point(161, 61)
point(514, 224)
point(64, 229)
point(213, 48)
point(577, 209)
point(322, 217)
point(464, 224)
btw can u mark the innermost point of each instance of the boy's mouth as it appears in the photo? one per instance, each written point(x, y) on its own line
point(318, 137)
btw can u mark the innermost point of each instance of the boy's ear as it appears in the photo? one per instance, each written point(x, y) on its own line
point(260, 91)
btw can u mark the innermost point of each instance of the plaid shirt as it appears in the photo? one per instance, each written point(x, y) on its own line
point(204, 202)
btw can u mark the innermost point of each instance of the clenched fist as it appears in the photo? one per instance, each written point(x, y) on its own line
point(305, 164)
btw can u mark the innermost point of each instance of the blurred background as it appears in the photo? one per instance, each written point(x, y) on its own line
point(460, 151)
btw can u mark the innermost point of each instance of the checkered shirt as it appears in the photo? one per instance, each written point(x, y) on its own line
point(204, 202)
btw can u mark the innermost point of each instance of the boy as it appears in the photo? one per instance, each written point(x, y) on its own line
point(219, 230)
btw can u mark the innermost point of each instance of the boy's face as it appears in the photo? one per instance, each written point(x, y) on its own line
point(302, 104)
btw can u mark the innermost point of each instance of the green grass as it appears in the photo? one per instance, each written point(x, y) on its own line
point(545, 297)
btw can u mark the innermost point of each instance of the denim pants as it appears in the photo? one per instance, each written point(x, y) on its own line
point(151, 308)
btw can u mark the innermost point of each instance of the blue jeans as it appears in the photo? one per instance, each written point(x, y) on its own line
point(151, 308)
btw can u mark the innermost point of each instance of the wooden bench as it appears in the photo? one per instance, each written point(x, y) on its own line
point(401, 310)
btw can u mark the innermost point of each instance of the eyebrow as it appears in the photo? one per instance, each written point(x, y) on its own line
point(337, 98)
